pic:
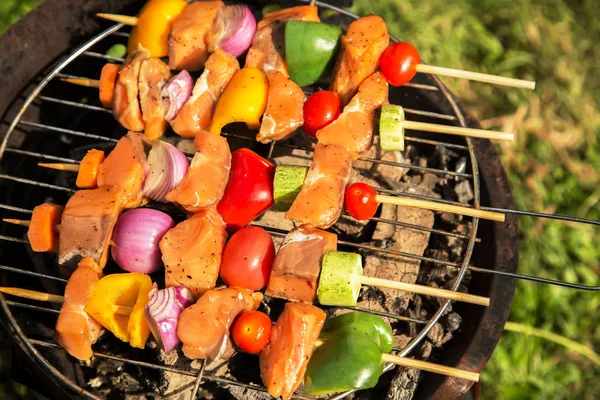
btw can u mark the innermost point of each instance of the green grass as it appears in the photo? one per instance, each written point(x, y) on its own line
point(553, 165)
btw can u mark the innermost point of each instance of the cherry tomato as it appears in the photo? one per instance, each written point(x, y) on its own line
point(247, 258)
point(399, 63)
point(252, 331)
point(321, 109)
point(360, 201)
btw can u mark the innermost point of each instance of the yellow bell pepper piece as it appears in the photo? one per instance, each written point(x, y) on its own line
point(244, 100)
point(154, 26)
point(118, 292)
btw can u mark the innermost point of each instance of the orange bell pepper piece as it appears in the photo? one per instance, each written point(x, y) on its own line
point(42, 233)
point(117, 303)
point(88, 169)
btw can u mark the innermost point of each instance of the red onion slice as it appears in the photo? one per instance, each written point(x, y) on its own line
point(234, 30)
point(163, 311)
point(176, 93)
point(167, 167)
point(136, 238)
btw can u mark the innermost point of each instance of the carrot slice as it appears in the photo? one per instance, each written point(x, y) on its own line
point(108, 79)
point(88, 169)
point(42, 234)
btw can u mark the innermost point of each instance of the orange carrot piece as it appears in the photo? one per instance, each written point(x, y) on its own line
point(108, 79)
point(88, 169)
point(42, 234)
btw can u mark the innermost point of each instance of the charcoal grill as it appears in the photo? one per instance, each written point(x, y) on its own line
point(45, 119)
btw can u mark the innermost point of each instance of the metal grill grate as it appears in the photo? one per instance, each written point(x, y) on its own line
point(115, 32)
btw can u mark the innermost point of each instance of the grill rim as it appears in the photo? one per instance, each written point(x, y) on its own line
point(81, 11)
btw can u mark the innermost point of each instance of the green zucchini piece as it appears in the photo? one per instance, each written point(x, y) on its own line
point(391, 129)
point(310, 50)
point(287, 184)
point(347, 361)
point(360, 322)
point(337, 286)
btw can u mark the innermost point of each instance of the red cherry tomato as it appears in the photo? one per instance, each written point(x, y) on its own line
point(252, 331)
point(399, 63)
point(247, 258)
point(321, 109)
point(360, 201)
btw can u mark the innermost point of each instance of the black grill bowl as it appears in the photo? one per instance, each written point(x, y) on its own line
point(33, 45)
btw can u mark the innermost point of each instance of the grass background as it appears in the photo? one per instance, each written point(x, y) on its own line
point(554, 166)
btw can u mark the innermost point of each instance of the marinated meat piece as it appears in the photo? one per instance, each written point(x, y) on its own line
point(87, 224)
point(354, 128)
point(197, 112)
point(204, 183)
point(126, 102)
point(297, 266)
point(284, 113)
point(154, 74)
point(192, 250)
point(268, 46)
point(284, 360)
point(321, 199)
point(188, 47)
point(362, 47)
point(204, 327)
point(125, 168)
point(76, 331)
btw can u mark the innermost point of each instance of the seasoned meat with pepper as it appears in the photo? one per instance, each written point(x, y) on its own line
point(204, 183)
point(284, 360)
point(125, 168)
point(297, 266)
point(284, 113)
point(197, 112)
point(188, 47)
point(354, 128)
point(154, 74)
point(87, 224)
point(321, 199)
point(126, 102)
point(362, 47)
point(191, 252)
point(204, 327)
point(76, 331)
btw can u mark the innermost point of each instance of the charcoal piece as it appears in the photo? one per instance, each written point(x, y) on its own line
point(385, 231)
point(404, 384)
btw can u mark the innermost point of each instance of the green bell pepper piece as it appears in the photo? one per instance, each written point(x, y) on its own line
point(344, 362)
point(370, 325)
point(310, 50)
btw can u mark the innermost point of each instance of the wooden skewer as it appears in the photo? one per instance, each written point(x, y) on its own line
point(123, 19)
point(435, 206)
point(93, 83)
point(60, 166)
point(457, 130)
point(424, 366)
point(16, 221)
point(431, 367)
point(424, 290)
point(476, 76)
point(52, 298)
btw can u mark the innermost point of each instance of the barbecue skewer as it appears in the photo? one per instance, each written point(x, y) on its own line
point(354, 277)
point(388, 358)
point(383, 199)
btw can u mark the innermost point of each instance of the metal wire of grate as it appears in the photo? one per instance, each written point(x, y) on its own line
point(461, 266)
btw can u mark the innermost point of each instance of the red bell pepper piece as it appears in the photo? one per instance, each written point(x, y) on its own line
point(249, 192)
